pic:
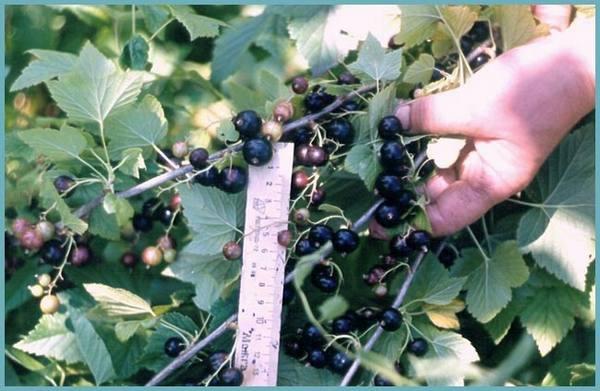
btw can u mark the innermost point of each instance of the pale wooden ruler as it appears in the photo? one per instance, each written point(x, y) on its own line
point(263, 268)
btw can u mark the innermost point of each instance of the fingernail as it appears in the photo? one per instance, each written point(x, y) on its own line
point(403, 114)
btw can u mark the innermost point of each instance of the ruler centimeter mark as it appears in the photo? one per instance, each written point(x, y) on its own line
point(263, 268)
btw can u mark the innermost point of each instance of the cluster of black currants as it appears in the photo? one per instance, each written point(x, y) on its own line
point(225, 376)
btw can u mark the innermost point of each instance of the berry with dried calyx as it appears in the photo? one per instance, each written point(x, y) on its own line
point(152, 256)
point(31, 239)
point(299, 84)
point(301, 216)
point(232, 250)
point(283, 111)
point(284, 238)
point(272, 131)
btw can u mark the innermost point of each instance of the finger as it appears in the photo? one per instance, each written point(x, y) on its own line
point(445, 113)
point(439, 183)
point(458, 206)
point(556, 16)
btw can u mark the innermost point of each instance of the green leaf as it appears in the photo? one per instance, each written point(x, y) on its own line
point(320, 39)
point(273, 86)
point(125, 356)
point(332, 308)
point(549, 314)
point(582, 374)
point(418, 23)
point(459, 19)
point(226, 131)
point(141, 126)
point(376, 63)
point(420, 71)
point(392, 344)
point(432, 283)
point(47, 65)
point(154, 16)
point(120, 207)
point(500, 325)
point(117, 301)
point(244, 98)
point(56, 145)
point(516, 24)
point(50, 198)
point(104, 225)
point(292, 372)
point(197, 25)
point(92, 348)
point(94, 88)
point(51, 338)
point(126, 329)
point(231, 46)
point(564, 190)
point(383, 103)
point(213, 216)
point(135, 53)
point(490, 280)
point(362, 160)
point(134, 162)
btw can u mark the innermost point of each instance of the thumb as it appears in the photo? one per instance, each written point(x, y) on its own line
point(445, 113)
point(556, 16)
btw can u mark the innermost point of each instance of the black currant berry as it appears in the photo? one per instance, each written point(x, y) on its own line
point(257, 151)
point(349, 106)
point(418, 347)
point(164, 215)
point(302, 135)
point(317, 358)
point(293, 348)
point(391, 154)
point(282, 112)
point(299, 84)
point(53, 252)
point(301, 216)
point(247, 123)
point(301, 155)
point(389, 214)
point(324, 279)
point(319, 235)
point(479, 61)
point(311, 336)
point(388, 186)
point(216, 360)
point(304, 247)
point(316, 156)
point(390, 319)
point(232, 179)
point(80, 255)
point(174, 346)
point(232, 250)
point(63, 183)
point(447, 256)
point(150, 206)
point(339, 362)
point(342, 325)
point(479, 32)
point(288, 294)
point(142, 223)
point(340, 130)
point(345, 241)
point(317, 100)
point(398, 247)
point(390, 128)
point(347, 78)
point(381, 381)
point(129, 259)
point(418, 239)
point(466, 44)
point(317, 197)
point(208, 177)
point(199, 158)
point(231, 377)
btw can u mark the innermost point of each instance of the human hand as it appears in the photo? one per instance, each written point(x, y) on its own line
point(513, 112)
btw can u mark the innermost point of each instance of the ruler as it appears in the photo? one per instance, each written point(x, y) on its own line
point(263, 268)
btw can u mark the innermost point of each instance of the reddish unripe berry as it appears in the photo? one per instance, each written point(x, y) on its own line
point(232, 250)
point(152, 256)
point(129, 259)
point(283, 111)
point(19, 226)
point(80, 255)
point(175, 201)
point(272, 130)
point(165, 242)
point(179, 149)
point(46, 229)
point(284, 238)
point(299, 84)
point(301, 216)
point(31, 239)
point(299, 180)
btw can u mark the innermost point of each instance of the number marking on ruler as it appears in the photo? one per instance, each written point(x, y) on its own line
point(263, 268)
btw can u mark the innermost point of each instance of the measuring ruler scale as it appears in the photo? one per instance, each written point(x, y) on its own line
point(263, 268)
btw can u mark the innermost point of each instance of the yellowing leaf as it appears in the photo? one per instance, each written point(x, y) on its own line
point(444, 316)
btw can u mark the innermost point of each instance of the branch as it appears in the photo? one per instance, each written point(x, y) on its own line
point(84, 210)
point(360, 224)
point(397, 303)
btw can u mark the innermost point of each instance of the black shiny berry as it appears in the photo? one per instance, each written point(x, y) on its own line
point(311, 336)
point(324, 279)
point(317, 358)
point(316, 156)
point(289, 293)
point(339, 362)
point(390, 319)
point(317, 100)
point(398, 247)
point(381, 381)
point(391, 154)
point(150, 206)
point(320, 234)
point(418, 239)
point(340, 130)
point(389, 214)
point(216, 360)
point(466, 44)
point(304, 247)
point(232, 179)
point(293, 348)
point(388, 186)
point(447, 256)
point(390, 128)
point(199, 158)
point(342, 325)
point(479, 61)
point(63, 183)
point(142, 223)
point(257, 151)
point(247, 123)
point(231, 377)
point(349, 106)
point(52, 252)
point(302, 135)
point(174, 346)
point(345, 241)
point(479, 32)
point(208, 177)
point(418, 347)
point(301, 154)
point(317, 197)
point(164, 215)
point(299, 84)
